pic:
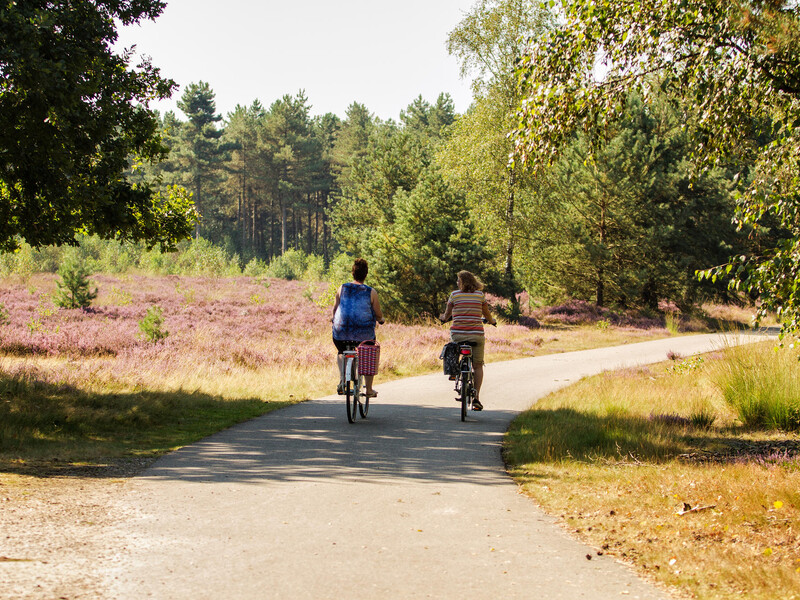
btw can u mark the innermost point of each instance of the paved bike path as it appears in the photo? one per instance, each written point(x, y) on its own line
point(410, 503)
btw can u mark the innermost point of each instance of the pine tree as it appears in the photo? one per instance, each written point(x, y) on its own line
point(201, 154)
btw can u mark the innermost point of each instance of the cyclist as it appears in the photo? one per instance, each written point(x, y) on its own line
point(468, 307)
point(355, 311)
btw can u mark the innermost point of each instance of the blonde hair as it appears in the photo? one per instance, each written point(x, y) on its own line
point(467, 282)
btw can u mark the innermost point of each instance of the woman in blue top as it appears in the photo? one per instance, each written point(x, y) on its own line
point(355, 312)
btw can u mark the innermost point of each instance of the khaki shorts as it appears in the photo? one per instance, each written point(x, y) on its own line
point(477, 350)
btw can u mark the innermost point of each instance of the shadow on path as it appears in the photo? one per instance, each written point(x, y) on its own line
point(313, 441)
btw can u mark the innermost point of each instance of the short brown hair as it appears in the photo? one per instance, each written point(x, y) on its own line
point(467, 282)
point(360, 269)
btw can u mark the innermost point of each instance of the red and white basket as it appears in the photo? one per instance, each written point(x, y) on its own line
point(369, 354)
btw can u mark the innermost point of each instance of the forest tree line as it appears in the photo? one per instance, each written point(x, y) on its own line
point(626, 223)
point(614, 190)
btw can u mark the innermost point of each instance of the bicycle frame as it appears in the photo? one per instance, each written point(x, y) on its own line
point(349, 365)
point(354, 386)
point(465, 385)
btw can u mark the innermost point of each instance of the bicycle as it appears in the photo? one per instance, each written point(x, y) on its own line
point(353, 384)
point(465, 383)
point(465, 380)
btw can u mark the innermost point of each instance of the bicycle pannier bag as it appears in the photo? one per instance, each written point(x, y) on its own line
point(449, 358)
point(369, 354)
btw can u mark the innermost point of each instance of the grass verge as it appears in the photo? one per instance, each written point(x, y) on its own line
point(652, 465)
point(53, 428)
point(87, 388)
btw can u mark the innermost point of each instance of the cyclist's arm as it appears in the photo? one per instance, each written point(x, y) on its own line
point(376, 306)
point(488, 315)
point(336, 303)
point(448, 312)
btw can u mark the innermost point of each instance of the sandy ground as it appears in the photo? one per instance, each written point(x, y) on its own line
point(58, 534)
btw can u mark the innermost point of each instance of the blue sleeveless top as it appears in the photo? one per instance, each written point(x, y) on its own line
point(354, 319)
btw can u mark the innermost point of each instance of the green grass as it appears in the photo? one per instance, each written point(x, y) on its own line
point(618, 457)
point(49, 423)
point(762, 385)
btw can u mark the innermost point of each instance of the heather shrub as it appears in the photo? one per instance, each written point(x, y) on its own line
point(581, 312)
point(74, 289)
point(152, 325)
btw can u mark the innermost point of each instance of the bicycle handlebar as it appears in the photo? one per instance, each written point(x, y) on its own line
point(483, 320)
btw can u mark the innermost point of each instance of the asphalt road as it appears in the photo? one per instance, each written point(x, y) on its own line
point(409, 503)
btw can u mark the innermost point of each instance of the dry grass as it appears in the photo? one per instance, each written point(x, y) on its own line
point(241, 346)
point(618, 459)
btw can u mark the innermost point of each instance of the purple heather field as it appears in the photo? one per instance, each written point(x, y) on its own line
point(230, 319)
point(238, 327)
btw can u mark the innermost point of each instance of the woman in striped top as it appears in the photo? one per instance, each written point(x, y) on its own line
point(468, 307)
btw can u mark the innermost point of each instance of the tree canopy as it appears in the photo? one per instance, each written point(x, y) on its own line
point(72, 116)
point(732, 66)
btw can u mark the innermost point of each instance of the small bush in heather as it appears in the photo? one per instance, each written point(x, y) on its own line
point(152, 325)
point(315, 268)
point(255, 268)
point(74, 289)
point(4, 316)
point(290, 265)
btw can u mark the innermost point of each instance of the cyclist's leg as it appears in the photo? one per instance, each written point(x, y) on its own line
point(341, 346)
point(477, 366)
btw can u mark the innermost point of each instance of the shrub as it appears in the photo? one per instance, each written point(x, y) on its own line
point(290, 265)
point(341, 269)
point(762, 384)
point(4, 316)
point(74, 288)
point(152, 325)
point(255, 268)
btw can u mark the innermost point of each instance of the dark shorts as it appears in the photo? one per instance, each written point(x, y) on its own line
point(341, 345)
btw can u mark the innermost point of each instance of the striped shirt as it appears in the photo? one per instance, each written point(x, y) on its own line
point(467, 312)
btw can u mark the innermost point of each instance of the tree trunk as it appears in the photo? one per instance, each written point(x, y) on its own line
point(283, 226)
point(600, 289)
point(509, 284)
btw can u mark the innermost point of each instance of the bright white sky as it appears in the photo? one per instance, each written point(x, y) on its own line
point(381, 53)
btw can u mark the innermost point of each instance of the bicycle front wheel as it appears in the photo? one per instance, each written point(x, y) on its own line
point(363, 399)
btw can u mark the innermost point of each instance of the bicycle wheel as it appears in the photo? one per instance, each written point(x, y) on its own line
point(351, 397)
point(363, 399)
point(465, 385)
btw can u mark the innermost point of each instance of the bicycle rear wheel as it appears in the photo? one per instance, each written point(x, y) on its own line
point(351, 401)
point(465, 385)
point(351, 392)
point(363, 399)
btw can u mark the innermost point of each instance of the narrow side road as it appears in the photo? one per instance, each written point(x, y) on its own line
point(410, 503)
